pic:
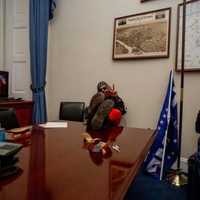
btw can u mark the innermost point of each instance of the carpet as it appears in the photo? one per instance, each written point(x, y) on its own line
point(145, 187)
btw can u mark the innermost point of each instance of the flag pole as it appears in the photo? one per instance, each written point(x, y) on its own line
point(182, 82)
point(179, 178)
point(168, 119)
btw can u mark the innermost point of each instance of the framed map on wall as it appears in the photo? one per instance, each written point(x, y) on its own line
point(192, 37)
point(144, 35)
point(145, 0)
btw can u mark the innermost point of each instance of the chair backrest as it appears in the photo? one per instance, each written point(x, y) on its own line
point(72, 111)
point(8, 118)
point(197, 122)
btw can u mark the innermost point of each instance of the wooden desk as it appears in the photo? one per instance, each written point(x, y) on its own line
point(24, 110)
point(57, 167)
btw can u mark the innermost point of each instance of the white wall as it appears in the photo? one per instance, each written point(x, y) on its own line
point(81, 55)
point(2, 8)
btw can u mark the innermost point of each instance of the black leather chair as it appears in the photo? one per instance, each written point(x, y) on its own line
point(72, 111)
point(194, 168)
point(8, 118)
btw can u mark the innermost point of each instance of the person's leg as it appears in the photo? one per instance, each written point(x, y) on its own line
point(102, 113)
point(96, 100)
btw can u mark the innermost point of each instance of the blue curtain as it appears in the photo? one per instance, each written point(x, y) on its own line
point(39, 16)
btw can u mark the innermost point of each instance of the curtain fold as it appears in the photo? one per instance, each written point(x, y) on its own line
point(39, 16)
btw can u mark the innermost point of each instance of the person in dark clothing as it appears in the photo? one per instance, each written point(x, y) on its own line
point(105, 108)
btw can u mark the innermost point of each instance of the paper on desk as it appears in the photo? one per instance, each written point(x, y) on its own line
point(54, 125)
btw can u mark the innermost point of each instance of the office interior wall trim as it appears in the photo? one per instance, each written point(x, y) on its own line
point(2, 29)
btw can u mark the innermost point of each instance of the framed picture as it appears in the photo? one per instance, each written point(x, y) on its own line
point(145, 0)
point(192, 37)
point(144, 35)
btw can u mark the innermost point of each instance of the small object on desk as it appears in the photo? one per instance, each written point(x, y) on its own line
point(20, 129)
point(91, 143)
point(116, 147)
point(23, 138)
point(89, 140)
point(8, 159)
point(8, 148)
point(8, 166)
point(54, 125)
point(20, 135)
point(2, 135)
point(96, 148)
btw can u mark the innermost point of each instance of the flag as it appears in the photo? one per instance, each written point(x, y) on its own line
point(164, 151)
point(52, 7)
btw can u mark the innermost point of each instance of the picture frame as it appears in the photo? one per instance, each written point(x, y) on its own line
point(143, 35)
point(142, 1)
point(192, 37)
point(4, 83)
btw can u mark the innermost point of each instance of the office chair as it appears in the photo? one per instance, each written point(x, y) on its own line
point(194, 167)
point(72, 111)
point(8, 118)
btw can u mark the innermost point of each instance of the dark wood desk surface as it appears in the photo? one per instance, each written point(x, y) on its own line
point(57, 167)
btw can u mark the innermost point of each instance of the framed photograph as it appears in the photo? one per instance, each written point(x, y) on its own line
point(192, 37)
point(144, 35)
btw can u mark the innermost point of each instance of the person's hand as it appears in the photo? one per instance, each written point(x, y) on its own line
point(111, 92)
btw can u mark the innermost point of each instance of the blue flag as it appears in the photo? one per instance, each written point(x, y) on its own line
point(164, 151)
point(52, 7)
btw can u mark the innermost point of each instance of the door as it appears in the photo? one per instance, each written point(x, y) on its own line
point(17, 58)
